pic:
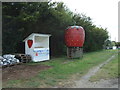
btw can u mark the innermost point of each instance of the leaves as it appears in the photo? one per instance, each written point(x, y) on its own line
point(23, 18)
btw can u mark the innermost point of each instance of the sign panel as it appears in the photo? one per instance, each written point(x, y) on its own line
point(41, 54)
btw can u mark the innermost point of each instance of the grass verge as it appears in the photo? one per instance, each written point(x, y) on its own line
point(108, 71)
point(62, 70)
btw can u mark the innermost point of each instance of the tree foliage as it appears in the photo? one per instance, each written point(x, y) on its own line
point(22, 19)
point(117, 44)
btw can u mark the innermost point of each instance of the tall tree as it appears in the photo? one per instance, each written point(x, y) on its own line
point(21, 19)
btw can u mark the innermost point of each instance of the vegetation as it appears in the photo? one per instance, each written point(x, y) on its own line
point(109, 44)
point(21, 19)
point(108, 71)
point(62, 70)
point(117, 44)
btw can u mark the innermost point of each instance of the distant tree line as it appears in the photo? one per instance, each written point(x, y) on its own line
point(110, 44)
point(23, 18)
point(117, 44)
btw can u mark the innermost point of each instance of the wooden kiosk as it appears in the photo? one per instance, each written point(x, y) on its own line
point(37, 45)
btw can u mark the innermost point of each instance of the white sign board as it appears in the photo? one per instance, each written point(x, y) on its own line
point(114, 47)
point(41, 54)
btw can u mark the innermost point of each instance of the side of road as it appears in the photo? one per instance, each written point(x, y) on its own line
point(85, 83)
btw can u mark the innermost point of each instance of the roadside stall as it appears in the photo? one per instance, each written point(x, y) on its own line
point(37, 45)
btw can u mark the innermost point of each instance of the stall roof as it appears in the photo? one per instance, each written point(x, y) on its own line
point(37, 34)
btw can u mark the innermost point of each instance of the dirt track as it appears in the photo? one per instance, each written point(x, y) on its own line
point(85, 83)
point(111, 83)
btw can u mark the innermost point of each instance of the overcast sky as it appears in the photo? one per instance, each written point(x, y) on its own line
point(104, 13)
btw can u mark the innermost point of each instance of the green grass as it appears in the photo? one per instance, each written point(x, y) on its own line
point(62, 70)
point(108, 71)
